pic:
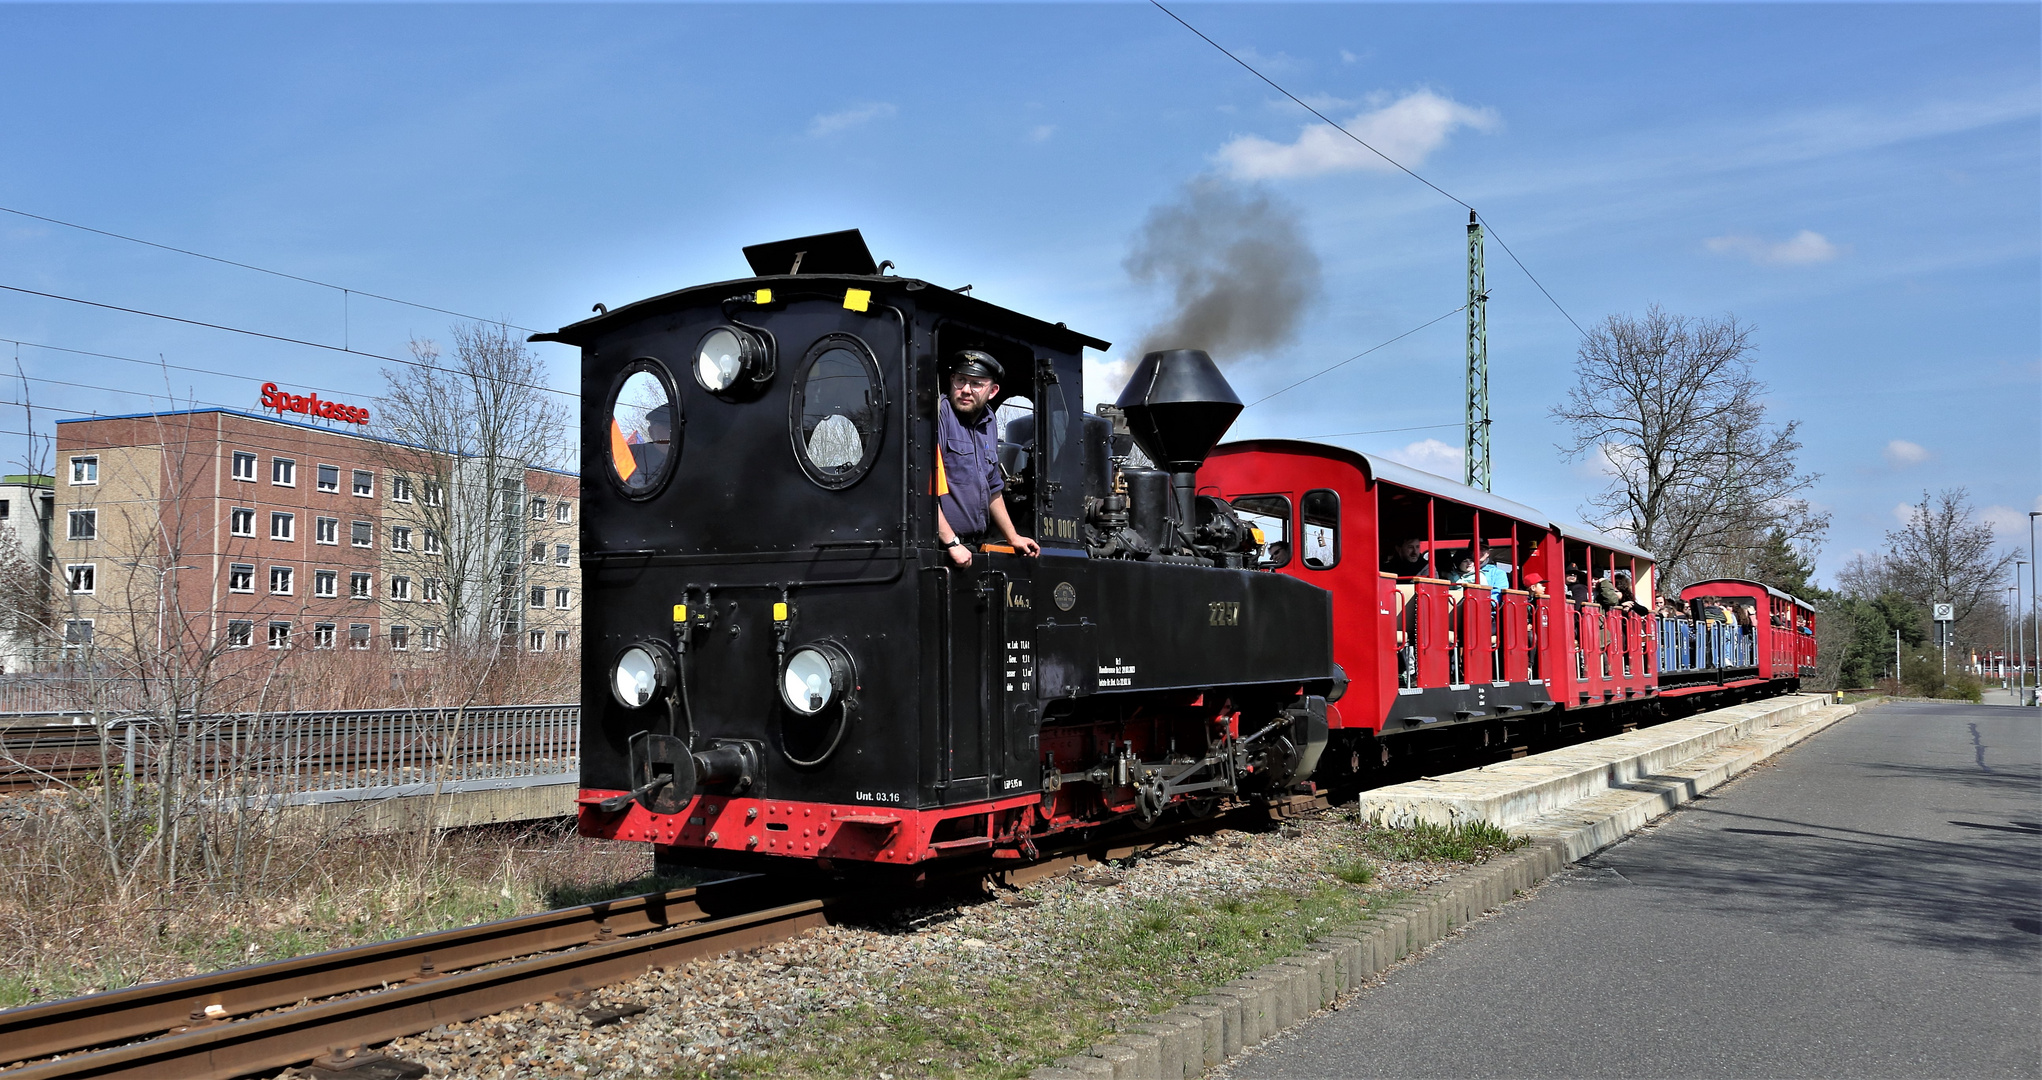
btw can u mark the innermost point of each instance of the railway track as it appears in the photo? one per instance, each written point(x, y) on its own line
point(269, 1016)
point(253, 1019)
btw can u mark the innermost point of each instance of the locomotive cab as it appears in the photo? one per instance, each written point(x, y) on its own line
point(781, 662)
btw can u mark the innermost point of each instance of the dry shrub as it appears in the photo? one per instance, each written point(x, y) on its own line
point(87, 902)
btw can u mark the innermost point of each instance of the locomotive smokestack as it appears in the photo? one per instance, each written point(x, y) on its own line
point(1178, 405)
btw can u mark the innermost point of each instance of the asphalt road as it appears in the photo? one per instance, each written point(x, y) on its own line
point(1867, 904)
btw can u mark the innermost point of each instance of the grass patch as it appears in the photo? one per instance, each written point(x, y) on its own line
point(1467, 842)
point(1355, 872)
point(1110, 964)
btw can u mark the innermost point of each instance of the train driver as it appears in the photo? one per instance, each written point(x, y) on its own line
point(969, 503)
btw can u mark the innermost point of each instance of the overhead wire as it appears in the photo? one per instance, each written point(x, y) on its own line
point(344, 290)
point(271, 337)
point(160, 365)
point(1450, 196)
point(1356, 356)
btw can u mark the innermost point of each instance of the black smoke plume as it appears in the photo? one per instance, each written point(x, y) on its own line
point(1237, 265)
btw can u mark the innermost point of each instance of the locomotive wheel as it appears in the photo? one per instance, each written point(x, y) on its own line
point(1149, 803)
point(1201, 809)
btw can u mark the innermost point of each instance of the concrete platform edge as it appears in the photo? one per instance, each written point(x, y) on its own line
point(1286, 992)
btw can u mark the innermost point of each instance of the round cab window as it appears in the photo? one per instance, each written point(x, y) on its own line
point(644, 430)
point(839, 411)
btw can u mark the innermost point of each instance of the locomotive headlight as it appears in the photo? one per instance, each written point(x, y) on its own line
point(816, 676)
point(640, 674)
point(724, 356)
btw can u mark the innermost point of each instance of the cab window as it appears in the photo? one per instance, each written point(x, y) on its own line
point(1319, 538)
point(838, 411)
point(644, 429)
point(1271, 514)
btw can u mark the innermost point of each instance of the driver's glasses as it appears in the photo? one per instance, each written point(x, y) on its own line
point(979, 385)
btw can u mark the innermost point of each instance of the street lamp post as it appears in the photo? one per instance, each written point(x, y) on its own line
point(2037, 612)
point(2020, 639)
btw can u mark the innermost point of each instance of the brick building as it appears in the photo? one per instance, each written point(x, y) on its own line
point(262, 532)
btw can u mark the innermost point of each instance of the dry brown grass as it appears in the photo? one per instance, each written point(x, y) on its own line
point(74, 921)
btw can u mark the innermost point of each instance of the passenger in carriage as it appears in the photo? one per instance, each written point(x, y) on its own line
point(1607, 594)
point(1495, 572)
point(1463, 572)
point(1577, 584)
point(1407, 559)
point(1628, 597)
point(1535, 583)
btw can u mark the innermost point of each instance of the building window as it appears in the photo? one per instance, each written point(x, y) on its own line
point(358, 586)
point(539, 596)
point(325, 583)
point(326, 531)
point(240, 633)
point(283, 472)
point(362, 534)
point(400, 538)
point(365, 483)
point(560, 640)
point(560, 599)
point(432, 542)
point(85, 470)
point(79, 576)
point(560, 555)
point(280, 635)
point(429, 638)
point(538, 509)
point(283, 526)
point(400, 489)
point(430, 590)
point(322, 635)
point(400, 588)
point(400, 638)
point(280, 581)
point(241, 578)
point(435, 495)
point(241, 521)
point(539, 553)
point(537, 640)
point(77, 633)
point(329, 478)
point(244, 466)
point(3, 509)
point(358, 635)
point(561, 513)
point(84, 525)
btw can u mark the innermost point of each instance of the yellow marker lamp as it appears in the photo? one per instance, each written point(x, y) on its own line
point(680, 613)
point(857, 299)
point(779, 612)
point(763, 296)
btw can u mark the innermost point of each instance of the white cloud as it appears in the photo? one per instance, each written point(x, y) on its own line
point(1348, 57)
point(1900, 453)
point(1105, 377)
point(2009, 526)
point(1041, 132)
point(1407, 129)
point(1432, 456)
point(1803, 248)
point(831, 123)
point(1903, 513)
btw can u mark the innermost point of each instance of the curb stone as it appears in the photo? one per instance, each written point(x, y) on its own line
point(1183, 1043)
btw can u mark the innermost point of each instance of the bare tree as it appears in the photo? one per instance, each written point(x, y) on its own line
point(462, 433)
point(1699, 475)
point(1945, 555)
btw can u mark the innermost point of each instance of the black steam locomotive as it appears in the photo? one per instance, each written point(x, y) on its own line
point(780, 661)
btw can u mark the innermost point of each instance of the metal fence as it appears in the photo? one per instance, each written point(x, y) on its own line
point(69, 693)
point(312, 756)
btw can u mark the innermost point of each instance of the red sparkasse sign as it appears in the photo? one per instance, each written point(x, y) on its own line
point(310, 405)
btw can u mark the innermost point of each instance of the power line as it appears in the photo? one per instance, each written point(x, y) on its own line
point(172, 397)
point(1364, 145)
point(342, 289)
point(1355, 357)
point(271, 337)
point(1378, 431)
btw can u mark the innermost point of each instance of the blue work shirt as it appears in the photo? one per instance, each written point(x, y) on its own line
point(971, 467)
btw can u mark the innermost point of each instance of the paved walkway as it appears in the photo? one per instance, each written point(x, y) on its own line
point(1870, 904)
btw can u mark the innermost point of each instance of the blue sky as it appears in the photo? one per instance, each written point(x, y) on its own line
point(1857, 182)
